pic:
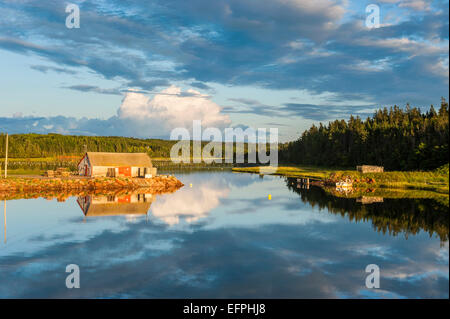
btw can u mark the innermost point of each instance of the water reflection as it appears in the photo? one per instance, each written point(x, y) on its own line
point(223, 238)
point(387, 215)
point(130, 204)
point(189, 204)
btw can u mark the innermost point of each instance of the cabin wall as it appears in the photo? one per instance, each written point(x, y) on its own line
point(142, 171)
point(151, 171)
point(84, 168)
point(103, 171)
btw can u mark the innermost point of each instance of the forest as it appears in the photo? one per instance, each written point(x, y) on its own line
point(394, 138)
point(54, 145)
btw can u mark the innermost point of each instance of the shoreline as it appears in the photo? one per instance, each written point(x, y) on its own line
point(19, 185)
point(432, 181)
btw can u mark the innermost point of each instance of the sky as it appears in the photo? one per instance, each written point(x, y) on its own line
point(144, 68)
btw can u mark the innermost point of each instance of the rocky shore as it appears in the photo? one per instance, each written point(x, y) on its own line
point(12, 187)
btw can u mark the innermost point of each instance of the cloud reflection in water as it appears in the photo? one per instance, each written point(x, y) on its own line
point(235, 243)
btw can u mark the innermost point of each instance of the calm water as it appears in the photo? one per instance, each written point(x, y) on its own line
point(223, 238)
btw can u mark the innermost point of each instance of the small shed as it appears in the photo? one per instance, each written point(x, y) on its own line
point(98, 164)
point(370, 169)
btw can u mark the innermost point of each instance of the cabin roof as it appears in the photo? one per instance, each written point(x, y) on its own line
point(119, 159)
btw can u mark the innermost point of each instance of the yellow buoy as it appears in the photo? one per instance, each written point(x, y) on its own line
point(190, 185)
point(270, 197)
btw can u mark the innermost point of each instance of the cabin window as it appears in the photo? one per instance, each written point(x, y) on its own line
point(142, 171)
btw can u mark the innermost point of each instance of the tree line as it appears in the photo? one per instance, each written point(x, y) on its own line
point(53, 145)
point(394, 138)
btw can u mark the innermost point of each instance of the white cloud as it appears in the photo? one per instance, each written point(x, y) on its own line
point(138, 116)
point(418, 5)
point(403, 44)
point(172, 108)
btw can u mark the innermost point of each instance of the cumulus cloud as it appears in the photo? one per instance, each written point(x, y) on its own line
point(173, 108)
point(137, 116)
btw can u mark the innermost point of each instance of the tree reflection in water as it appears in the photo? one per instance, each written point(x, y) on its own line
point(389, 215)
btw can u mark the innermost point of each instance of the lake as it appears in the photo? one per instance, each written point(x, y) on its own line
point(220, 236)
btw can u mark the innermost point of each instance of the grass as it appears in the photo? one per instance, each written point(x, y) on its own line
point(290, 171)
point(436, 181)
point(23, 171)
point(32, 159)
point(431, 181)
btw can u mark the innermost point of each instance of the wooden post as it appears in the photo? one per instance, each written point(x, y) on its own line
point(6, 159)
point(5, 218)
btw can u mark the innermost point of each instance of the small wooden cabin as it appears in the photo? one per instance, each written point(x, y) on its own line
point(370, 169)
point(97, 164)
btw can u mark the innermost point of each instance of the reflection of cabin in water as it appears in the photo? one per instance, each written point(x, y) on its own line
point(369, 199)
point(95, 164)
point(133, 204)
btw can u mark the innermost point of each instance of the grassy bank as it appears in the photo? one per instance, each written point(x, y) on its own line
point(436, 181)
point(390, 193)
point(290, 171)
point(16, 185)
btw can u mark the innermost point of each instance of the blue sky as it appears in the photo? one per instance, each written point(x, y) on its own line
point(142, 68)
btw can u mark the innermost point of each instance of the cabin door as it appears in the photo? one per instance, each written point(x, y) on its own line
point(125, 170)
